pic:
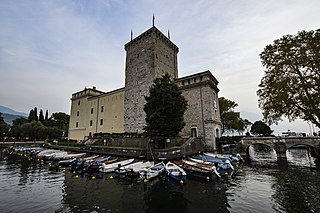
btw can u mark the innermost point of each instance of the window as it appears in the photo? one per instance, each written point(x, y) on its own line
point(91, 110)
point(78, 102)
point(90, 122)
point(102, 108)
point(182, 83)
point(78, 113)
point(77, 124)
point(101, 122)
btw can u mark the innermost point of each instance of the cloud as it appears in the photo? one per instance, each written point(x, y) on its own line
point(51, 49)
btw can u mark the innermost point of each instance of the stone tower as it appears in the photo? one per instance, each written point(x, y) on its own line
point(148, 56)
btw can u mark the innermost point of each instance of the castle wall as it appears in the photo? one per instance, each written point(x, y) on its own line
point(102, 112)
point(148, 56)
point(202, 114)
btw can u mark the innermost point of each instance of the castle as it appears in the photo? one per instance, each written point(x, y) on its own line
point(148, 56)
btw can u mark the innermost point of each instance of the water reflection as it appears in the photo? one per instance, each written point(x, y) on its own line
point(264, 155)
point(298, 194)
point(263, 187)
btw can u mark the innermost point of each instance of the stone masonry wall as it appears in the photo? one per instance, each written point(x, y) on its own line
point(148, 56)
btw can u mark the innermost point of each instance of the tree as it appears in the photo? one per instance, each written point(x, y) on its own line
point(60, 120)
point(4, 127)
point(16, 130)
point(32, 116)
point(164, 110)
point(291, 84)
point(41, 117)
point(46, 116)
point(261, 129)
point(36, 113)
point(231, 120)
point(34, 130)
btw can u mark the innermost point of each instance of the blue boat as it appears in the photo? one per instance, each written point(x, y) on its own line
point(175, 172)
point(221, 163)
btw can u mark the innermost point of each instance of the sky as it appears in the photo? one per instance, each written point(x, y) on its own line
point(51, 49)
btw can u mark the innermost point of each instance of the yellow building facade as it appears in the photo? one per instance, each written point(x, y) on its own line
point(93, 111)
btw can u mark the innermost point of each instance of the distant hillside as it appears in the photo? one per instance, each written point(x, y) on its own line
point(8, 110)
point(9, 114)
point(8, 118)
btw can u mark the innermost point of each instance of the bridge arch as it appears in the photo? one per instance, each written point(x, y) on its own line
point(281, 145)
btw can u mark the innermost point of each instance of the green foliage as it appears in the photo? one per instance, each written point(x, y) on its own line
point(4, 127)
point(41, 117)
point(164, 109)
point(260, 128)
point(53, 128)
point(32, 115)
point(291, 84)
point(231, 120)
point(35, 130)
point(46, 116)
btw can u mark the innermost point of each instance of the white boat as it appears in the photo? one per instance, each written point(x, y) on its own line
point(208, 167)
point(152, 172)
point(175, 171)
point(65, 155)
point(134, 167)
point(110, 167)
point(47, 152)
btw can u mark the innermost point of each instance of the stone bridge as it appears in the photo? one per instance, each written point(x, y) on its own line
point(281, 145)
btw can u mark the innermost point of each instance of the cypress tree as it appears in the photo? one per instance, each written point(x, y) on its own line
point(47, 115)
point(36, 114)
point(41, 117)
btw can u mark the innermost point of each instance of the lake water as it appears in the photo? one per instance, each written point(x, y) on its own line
point(264, 186)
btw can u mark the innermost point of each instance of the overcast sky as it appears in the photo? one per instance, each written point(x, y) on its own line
point(53, 48)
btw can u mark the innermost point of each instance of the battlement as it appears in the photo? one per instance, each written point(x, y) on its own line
point(152, 31)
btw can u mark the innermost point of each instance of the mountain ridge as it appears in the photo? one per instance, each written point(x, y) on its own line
point(9, 115)
point(8, 110)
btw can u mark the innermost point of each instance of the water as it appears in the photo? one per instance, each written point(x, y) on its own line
point(265, 186)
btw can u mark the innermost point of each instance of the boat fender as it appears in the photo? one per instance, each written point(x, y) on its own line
point(181, 181)
point(207, 178)
point(111, 177)
point(226, 173)
point(76, 176)
point(145, 180)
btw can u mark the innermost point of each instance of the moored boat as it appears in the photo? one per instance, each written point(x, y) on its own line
point(232, 157)
point(106, 168)
point(195, 171)
point(62, 155)
point(208, 167)
point(133, 168)
point(221, 163)
point(175, 172)
point(152, 172)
